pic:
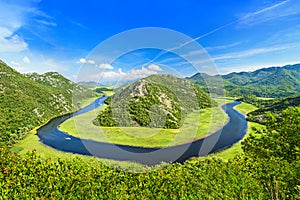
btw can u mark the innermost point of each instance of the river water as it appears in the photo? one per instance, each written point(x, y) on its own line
point(232, 132)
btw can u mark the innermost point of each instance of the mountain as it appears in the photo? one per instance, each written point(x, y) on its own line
point(154, 101)
point(266, 82)
point(26, 103)
point(72, 92)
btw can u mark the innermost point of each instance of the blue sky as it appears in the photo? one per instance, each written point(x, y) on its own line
point(47, 35)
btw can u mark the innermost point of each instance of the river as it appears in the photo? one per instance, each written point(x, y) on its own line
point(233, 131)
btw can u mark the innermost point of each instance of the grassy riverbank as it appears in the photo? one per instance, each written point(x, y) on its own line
point(236, 149)
point(196, 126)
point(81, 126)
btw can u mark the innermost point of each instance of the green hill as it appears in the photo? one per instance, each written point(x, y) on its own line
point(155, 101)
point(26, 103)
point(72, 92)
point(267, 106)
point(266, 82)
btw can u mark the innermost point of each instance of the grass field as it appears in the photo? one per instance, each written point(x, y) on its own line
point(236, 149)
point(197, 125)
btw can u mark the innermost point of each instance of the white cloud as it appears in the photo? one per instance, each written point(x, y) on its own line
point(252, 52)
point(106, 66)
point(111, 75)
point(15, 15)
point(121, 72)
point(26, 60)
point(44, 22)
point(15, 63)
point(279, 10)
point(84, 61)
point(223, 46)
point(123, 76)
point(154, 67)
point(10, 42)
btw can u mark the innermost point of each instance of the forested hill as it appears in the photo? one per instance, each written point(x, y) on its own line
point(72, 92)
point(155, 101)
point(267, 106)
point(266, 82)
point(26, 103)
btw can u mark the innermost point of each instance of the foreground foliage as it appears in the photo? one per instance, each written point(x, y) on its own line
point(33, 177)
point(268, 169)
point(273, 155)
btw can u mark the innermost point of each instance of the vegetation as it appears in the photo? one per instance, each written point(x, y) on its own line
point(72, 92)
point(103, 89)
point(265, 107)
point(26, 103)
point(268, 169)
point(158, 101)
point(196, 126)
point(236, 149)
point(268, 82)
point(21, 177)
point(273, 157)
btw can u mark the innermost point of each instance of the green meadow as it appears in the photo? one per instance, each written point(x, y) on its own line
point(197, 125)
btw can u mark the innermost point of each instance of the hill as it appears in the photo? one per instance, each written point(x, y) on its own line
point(72, 92)
point(266, 82)
point(26, 103)
point(155, 101)
point(269, 106)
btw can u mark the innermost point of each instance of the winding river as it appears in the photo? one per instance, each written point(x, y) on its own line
point(233, 131)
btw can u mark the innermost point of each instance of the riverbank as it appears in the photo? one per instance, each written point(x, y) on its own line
point(196, 126)
point(236, 149)
point(116, 156)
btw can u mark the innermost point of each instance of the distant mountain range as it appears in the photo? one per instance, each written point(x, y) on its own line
point(266, 82)
point(29, 100)
point(154, 101)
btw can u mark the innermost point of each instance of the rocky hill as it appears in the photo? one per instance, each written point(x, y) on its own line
point(72, 92)
point(155, 101)
point(26, 103)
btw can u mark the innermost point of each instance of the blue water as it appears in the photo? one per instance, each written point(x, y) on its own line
point(232, 132)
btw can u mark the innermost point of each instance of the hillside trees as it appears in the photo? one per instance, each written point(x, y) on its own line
point(273, 155)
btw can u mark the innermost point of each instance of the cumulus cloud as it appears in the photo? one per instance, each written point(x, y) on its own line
point(106, 66)
point(26, 60)
point(154, 67)
point(84, 61)
point(125, 76)
point(131, 75)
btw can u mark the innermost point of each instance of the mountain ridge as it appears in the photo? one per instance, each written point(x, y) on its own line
point(266, 82)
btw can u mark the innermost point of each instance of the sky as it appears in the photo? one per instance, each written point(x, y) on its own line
point(72, 37)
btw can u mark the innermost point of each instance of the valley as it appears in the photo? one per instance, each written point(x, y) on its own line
point(150, 100)
point(145, 135)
